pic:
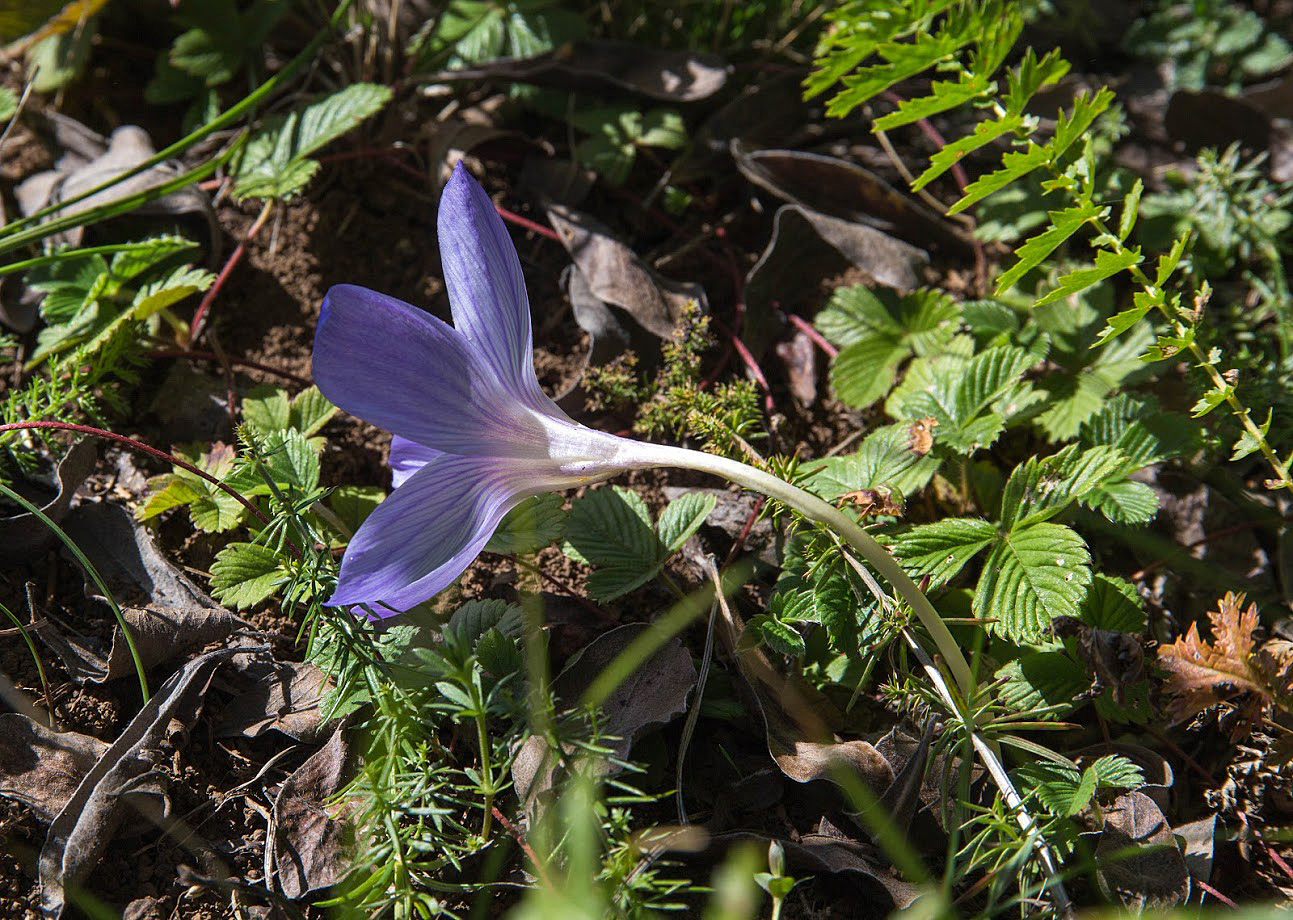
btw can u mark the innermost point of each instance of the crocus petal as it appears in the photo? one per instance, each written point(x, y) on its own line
point(407, 457)
point(402, 369)
point(422, 537)
point(486, 289)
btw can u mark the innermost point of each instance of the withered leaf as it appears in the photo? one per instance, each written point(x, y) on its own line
point(921, 434)
point(1202, 673)
point(24, 536)
point(310, 836)
point(1139, 862)
point(40, 767)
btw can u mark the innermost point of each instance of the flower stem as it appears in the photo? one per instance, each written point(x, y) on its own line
point(815, 509)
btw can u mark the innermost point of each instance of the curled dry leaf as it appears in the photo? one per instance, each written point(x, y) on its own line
point(310, 836)
point(1203, 673)
point(126, 771)
point(652, 695)
point(42, 768)
point(281, 695)
point(89, 160)
point(1138, 859)
point(176, 618)
point(24, 536)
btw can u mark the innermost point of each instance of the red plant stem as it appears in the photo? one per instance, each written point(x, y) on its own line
point(195, 327)
point(522, 843)
point(144, 449)
point(525, 222)
point(814, 336)
point(1277, 858)
point(235, 362)
point(741, 537)
point(958, 172)
point(1216, 894)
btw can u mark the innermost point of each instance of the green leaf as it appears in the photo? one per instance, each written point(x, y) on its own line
point(1112, 603)
point(1037, 680)
point(353, 504)
point(944, 95)
point(884, 461)
point(1125, 502)
point(1113, 771)
point(1063, 225)
point(1248, 443)
point(1106, 264)
point(878, 332)
point(778, 636)
point(1035, 574)
point(537, 522)
point(610, 529)
point(498, 654)
point(8, 103)
point(1119, 323)
point(1072, 125)
point(273, 163)
point(1043, 487)
point(267, 408)
point(973, 401)
point(1015, 165)
point(985, 132)
point(475, 618)
point(864, 372)
point(244, 574)
point(1211, 399)
point(1130, 210)
point(1062, 789)
point(1024, 80)
point(682, 518)
point(941, 549)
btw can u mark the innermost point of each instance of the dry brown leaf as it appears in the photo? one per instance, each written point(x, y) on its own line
point(921, 434)
point(1202, 673)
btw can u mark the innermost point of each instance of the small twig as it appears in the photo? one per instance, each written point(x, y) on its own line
point(524, 845)
point(192, 355)
point(813, 335)
point(525, 222)
point(1216, 894)
point(199, 317)
point(152, 452)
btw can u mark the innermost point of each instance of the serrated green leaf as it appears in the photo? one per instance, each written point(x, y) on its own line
point(133, 261)
point(537, 522)
point(244, 574)
point(498, 654)
point(1033, 575)
point(943, 95)
point(1113, 771)
point(856, 313)
point(941, 549)
point(168, 291)
point(1211, 399)
point(836, 607)
point(1119, 323)
point(310, 411)
point(166, 492)
point(985, 132)
point(474, 618)
point(1074, 124)
point(1037, 680)
point(683, 517)
point(1248, 443)
point(865, 371)
point(1168, 263)
point(1130, 210)
point(1015, 165)
point(1125, 502)
point(778, 636)
point(1031, 74)
point(267, 408)
point(883, 461)
point(1112, 603)
point(274, 162)
point(1043, 487)
point(353, 504)
point(610, 529)
point(1062, 789)
point(1106, 265)
point(1064, 224)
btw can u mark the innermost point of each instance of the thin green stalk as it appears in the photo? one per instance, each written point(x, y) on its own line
point(486, 763)
point(94, 575)
point(35, 657)
point(815, 509)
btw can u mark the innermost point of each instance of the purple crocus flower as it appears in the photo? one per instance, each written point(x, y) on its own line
point(473, 433)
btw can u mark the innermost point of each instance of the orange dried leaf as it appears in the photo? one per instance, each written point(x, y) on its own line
point(1201, 673)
